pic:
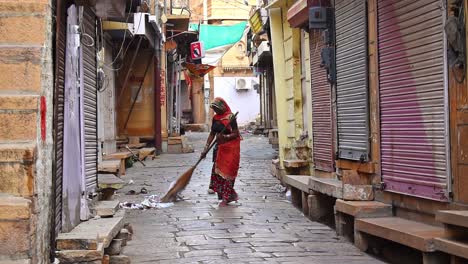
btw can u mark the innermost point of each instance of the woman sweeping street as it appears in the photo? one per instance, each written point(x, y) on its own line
point(226, 155)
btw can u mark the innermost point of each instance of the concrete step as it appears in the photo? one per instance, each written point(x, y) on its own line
point(88, 235)
point(79, 256)
point(363, 209)
point(453, 217)
point(300, 182)
point(413, 234)
point(109, 181)
point(106, 208)
point(453, 247)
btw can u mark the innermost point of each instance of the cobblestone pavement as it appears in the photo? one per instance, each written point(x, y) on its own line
point(262, 228)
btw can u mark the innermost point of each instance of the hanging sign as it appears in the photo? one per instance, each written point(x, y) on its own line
point(197, 50)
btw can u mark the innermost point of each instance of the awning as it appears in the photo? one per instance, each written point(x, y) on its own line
point(198, 70)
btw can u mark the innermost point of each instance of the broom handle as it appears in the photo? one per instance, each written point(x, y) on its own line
point(215, 140)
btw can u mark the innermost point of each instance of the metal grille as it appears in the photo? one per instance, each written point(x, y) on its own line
point(89, 64)
point(412, 97)
point(351, 87)
point(321, 107)
point(59, 98)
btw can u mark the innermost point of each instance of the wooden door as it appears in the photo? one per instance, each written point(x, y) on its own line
point(459, 132)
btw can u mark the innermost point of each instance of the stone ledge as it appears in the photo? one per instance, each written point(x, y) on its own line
point(112, 166)
point(300, 182)
point(106, 181)
point(329, 186)
point(87, 235)
point(106, 208)
point(456, 218)
point(117, 155)
point(296, 163)
point(358, 192)
point(13, 208)
point(79, 256)
point(413, 234)
point(363, 209)
point(452, 247)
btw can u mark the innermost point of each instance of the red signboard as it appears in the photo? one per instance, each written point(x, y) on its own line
point(197, 50)
point(163, 88)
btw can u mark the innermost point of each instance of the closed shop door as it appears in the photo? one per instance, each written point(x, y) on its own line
point(413, 98)
point(322, 116)
point(72, 177)
point(61, 38)
point(89, 98)
point(351, 87)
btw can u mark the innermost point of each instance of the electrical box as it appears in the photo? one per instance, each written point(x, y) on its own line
point(328, 62)
point(320, 17)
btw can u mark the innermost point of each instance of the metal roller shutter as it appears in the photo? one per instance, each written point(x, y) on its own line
point(413, 98)
point(351, 87)
point(89, 93)
point(59, 99)
point(322, 115)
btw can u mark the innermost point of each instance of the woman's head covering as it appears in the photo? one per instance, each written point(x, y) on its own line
point(221, 105)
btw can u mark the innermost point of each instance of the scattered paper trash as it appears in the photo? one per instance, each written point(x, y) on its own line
point(150, 202)
point(130, 182)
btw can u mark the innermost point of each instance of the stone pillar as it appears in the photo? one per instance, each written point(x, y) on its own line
point(26, 110)
point(198, 101)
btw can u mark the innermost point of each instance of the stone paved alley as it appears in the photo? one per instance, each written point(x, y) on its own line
point(262, 228)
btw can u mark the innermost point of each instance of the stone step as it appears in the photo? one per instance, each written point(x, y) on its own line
point(117, 155)
point(300, 182)
point(295, 163)
point(363, 209)
point(329, 186)
point(87, 235)
point(452, 247)
point(112, 166)
point(109, 181)
point(145, 152)
point(106, 208)
point(413, 234)
point(79, 256)
point(453, 217)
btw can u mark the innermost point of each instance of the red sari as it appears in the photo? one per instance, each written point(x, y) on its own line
point(227, 160)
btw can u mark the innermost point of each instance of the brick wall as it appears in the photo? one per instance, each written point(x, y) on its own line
point(25, 150)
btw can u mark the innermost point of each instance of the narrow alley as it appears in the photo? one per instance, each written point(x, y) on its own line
point(263, 227)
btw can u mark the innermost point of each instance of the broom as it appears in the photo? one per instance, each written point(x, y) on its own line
point(184, 179)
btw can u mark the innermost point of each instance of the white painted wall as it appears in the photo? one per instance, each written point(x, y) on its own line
point(106, 108)
point(247, 102)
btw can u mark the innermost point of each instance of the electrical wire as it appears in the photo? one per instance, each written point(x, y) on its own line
point(240, 7)
point(109, 67)
point(125, 35)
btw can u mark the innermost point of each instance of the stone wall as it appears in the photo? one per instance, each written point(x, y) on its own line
point(26, 85)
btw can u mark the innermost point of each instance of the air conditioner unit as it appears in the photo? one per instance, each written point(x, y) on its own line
point(243, 84)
